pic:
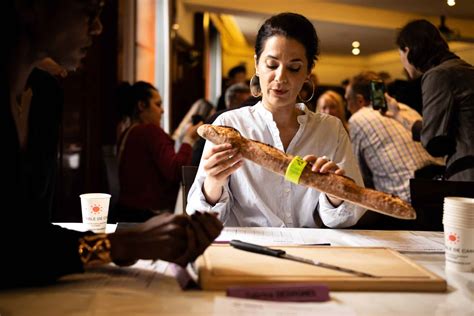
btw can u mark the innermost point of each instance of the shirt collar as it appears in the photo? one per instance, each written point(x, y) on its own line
point(259, 108)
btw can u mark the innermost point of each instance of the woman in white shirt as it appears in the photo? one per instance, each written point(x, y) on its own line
point(245, 194)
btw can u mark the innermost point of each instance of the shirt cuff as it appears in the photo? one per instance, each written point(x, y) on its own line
point(344, 215)
point(201, 204)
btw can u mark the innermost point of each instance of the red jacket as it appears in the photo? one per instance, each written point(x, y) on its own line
point(150, 169)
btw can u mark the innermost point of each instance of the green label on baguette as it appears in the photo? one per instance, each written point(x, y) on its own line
point(295, 169)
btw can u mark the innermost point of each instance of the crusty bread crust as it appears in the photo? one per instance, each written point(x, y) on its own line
point(339, 186)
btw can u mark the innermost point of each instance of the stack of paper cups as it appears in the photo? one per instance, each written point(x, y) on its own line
point(458, 221)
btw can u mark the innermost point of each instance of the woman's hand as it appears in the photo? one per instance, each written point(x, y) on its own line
point(324, 165)
point(219, 162)
point(191, 135)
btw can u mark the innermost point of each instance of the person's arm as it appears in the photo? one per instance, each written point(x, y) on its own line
point(346, 214)
point(359, 154)
point(438, 109)
point(161, 148)
point(173, 238)
point(409, 118)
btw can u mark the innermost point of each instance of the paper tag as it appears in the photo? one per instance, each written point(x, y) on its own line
point(295, 169)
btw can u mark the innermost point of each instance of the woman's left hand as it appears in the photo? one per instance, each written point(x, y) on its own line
point(325, 165)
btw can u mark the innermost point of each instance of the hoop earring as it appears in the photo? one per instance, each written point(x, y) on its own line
point(255, 89)
point(312, 93)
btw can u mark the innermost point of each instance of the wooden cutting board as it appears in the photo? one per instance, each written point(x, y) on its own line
point(222, 266)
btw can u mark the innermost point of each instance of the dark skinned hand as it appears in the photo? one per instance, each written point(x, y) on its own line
point(162, 237)
point(204, 228)
point(174, 238)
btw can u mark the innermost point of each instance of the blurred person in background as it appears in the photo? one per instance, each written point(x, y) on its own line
point(331, 102)
point(447, 84)
point(388, 157)
point(149, 167)
point(235, 96)
point(237, 74)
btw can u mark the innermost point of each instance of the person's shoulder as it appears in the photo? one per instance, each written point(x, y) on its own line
point(321, 117)
point(41, 80)
point(447, 70)
point(149, 129)
point(235, 113)
point(363, 114)
point(326, 120)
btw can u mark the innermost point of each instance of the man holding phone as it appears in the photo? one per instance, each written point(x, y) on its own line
point(377, 95)
point(387, 155)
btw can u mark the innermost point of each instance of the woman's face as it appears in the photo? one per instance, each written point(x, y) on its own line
point(154, 111)
point(66, 34)
point(282, 69)
point(330, 106)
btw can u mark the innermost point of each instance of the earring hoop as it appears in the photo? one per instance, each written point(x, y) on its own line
point(255, 89)
point(312, 93)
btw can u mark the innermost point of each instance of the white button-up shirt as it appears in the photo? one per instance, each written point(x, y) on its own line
point(254, 196)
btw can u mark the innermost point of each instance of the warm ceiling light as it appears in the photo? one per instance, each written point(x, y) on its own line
point(355, 51)
point(355, 44)
point(175, 26)
point(451, 3)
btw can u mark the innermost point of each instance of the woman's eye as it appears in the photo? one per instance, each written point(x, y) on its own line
point(294, 69)
point(272, 66)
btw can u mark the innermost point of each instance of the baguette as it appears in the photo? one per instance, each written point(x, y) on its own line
point(277, 161)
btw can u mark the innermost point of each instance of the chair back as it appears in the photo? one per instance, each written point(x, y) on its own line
point(427, 197)
point(111, 167)
point(188, 173)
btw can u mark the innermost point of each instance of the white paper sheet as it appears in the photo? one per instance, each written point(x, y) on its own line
point(242, 307)
point(266, 236)
point(145, 274)
point(411, 242)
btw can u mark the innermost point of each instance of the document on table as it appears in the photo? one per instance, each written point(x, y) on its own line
point(145, 274)
point(410, 242)
point(243, 307)
point(267, 236)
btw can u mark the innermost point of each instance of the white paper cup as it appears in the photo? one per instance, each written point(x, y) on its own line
point(95, 210)
point(459, 248)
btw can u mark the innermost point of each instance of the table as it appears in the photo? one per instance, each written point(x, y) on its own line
point(135, 291)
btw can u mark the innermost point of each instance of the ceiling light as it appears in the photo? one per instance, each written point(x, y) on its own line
point(355, 51)
point(451, 3)
point(355, 44)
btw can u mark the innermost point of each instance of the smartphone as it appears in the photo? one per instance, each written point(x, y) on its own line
point(377, 95)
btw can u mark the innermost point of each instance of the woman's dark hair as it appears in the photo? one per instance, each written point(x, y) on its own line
point(290, 25)
point(427, 48)
point(130, 95)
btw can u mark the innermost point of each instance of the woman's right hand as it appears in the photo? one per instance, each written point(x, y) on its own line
point(191, 135)
point(219, 162)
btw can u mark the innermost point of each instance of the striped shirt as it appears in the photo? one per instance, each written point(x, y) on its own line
point(255, 196)
point(387, 154)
